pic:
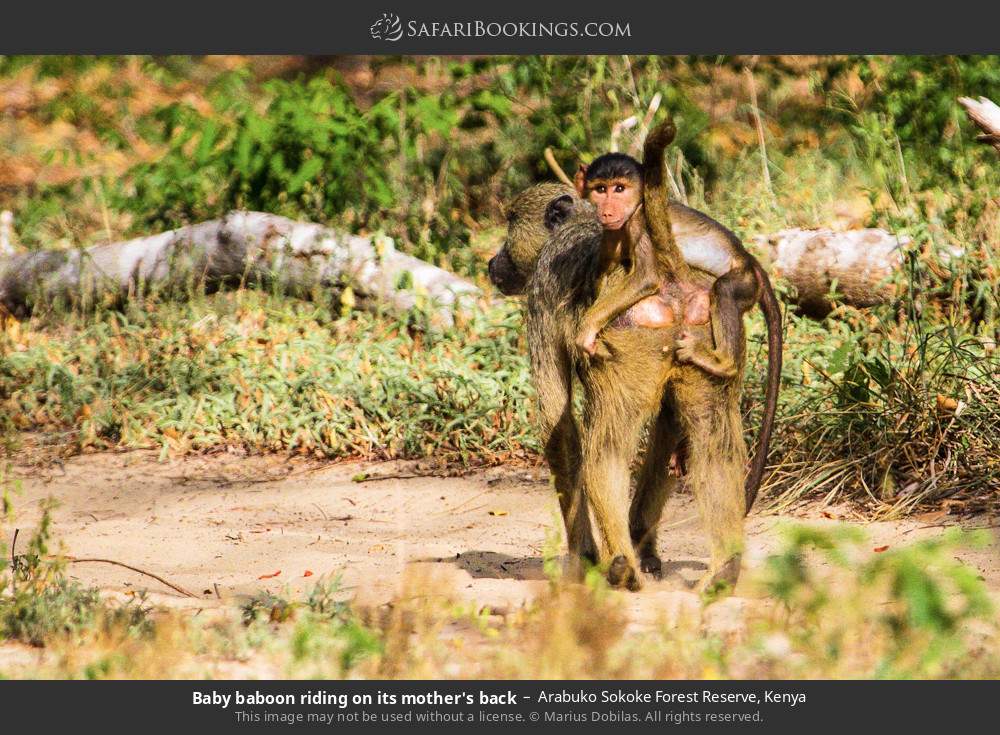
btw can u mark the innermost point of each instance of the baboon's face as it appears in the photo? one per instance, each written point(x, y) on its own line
point(616, 199)
point(527, 232)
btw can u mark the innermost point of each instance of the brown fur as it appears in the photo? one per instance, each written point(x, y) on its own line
point(649, 263)
point(733, 293)
point(639, 384)
point(645, 246)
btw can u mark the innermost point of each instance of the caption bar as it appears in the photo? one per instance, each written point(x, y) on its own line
point(517, 703)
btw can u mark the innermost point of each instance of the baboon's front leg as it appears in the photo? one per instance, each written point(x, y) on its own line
point(654, 485)
point(716, 465)
point(552, 371)
point(611, 439)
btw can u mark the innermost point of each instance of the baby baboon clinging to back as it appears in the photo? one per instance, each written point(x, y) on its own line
point(613, 183)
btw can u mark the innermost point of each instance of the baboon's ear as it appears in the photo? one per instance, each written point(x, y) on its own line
point(558, 211)
point(580, 179)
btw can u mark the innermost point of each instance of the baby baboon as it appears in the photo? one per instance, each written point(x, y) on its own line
point(553, 252)
point(613, 183)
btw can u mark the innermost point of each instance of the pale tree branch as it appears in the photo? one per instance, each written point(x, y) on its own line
point(986, 115)
point(239, 249)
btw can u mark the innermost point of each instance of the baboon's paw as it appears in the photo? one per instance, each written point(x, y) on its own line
point(587, 342)
point(651, 564)
point(623, 574)
point(618, 571)
point(720, 581)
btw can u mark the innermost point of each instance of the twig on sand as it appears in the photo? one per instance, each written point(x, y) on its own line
point(375, 478)
point(161, 580)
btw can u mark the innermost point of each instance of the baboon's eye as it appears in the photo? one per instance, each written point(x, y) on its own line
point(619, 188)
point(600, 188)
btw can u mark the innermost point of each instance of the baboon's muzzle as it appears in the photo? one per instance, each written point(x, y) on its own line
point(505, 275)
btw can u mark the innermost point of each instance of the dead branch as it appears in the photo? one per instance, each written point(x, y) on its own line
point(161, 580)
point(240, 249)
point(986, 115)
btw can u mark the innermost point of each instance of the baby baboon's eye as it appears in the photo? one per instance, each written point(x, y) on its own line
point(600, 188)
point(619, 188)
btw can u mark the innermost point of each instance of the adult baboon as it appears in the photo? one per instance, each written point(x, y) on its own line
point(552, 253)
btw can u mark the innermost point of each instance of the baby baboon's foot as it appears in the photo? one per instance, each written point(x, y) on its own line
point(587, 342)
point(686, 347)
point(623, 574)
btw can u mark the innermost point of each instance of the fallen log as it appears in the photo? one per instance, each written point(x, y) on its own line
point(240, 248)
point(855, 265)
point(254, 248)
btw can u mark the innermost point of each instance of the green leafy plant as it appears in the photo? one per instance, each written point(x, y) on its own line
point(913, 604)
point(39, 603)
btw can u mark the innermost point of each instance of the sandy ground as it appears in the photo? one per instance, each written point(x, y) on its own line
point(226, 526)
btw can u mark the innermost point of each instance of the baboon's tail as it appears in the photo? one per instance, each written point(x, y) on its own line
point(655, 201)
point(772, 315)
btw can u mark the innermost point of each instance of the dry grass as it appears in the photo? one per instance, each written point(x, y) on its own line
point(824, 606)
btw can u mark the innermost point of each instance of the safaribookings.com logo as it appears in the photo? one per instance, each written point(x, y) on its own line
point(387, 28)
point(390, 28)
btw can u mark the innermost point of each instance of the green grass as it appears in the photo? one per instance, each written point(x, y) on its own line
point(39, 603)
point(266, 373)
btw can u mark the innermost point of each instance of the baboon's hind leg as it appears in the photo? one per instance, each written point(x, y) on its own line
point(654, 485)
point(612, 437)
point(716, 476)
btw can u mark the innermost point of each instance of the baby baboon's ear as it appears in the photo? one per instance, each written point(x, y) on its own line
point(558, 211)
point(580, 180)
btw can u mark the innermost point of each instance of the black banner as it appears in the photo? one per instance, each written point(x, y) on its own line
point(522, 706)
point(513, 27)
